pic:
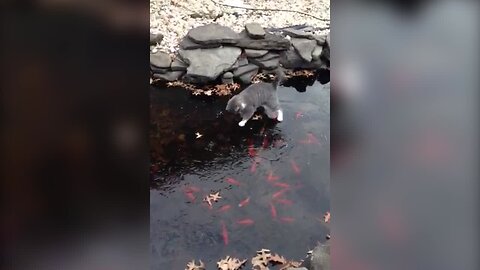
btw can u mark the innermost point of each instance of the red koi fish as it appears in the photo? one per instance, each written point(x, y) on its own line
point(244, 202)
point(232, 181)
point(265, 142)
point(245, 222)
point(287, 219)
point(190, 196)
point(251, 149)
point(253, 168)
point(224, 233)
point(282, 185)
point(278, 193)
point(311, 139)
point(284, 201)
point(271, 177)
point(191, 189)
point(295, 167)
point(298, 115)
point(224, 208)
point(273, 210)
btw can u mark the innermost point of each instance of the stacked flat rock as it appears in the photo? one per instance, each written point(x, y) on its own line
point(269, 61)
point(245, 73)
point(213, 34)
point(255, 53)
point(304, 47)
point(268, 42)
point(297, 33)
point(255, 30)
point(205, 65)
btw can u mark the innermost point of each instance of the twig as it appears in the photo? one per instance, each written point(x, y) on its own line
point(272, 9)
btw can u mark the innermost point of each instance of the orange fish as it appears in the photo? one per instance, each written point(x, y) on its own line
point(244, 202)
point(295, 167)
point(224, 208)
point(278, 193)
point(273, 210)
point(232, 181)
point(245, 222)
point(271, 177)
point(287, 219)
point(224, 233)
point(284, 201)
point(282, 185)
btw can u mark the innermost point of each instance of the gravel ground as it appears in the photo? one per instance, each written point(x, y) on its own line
point(173, 18)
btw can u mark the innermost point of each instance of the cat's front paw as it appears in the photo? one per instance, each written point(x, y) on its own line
point(280, 116)
point(242, 123)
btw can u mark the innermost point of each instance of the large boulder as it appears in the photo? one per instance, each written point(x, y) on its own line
point(317, 52)
point(255, 30)
point(304, 47)
point(205, 65)
point(160, 60)
point(319, 259)
point(213, 34)
point(269, 42)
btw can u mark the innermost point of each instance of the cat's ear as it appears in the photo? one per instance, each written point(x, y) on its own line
point(243, 105)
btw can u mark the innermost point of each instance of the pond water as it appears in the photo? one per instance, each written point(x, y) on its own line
point(280, 171)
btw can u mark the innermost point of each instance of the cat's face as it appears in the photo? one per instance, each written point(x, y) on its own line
point(235, 105)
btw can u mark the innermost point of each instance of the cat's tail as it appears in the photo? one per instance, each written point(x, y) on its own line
point(279, 77)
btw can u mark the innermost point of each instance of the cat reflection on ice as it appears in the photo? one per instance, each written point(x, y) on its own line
point(258, 95)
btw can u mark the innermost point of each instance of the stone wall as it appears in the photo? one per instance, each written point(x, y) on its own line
point(212, 51)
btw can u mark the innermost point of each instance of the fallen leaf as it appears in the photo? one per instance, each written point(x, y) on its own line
point(230, 263)
point(290, 264)
point(193, 266)
point(277, 259)
point(214, 197)
point(326, 217)
point(261, 260)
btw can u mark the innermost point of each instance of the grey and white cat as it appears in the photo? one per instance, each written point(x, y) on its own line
point(258, 95)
